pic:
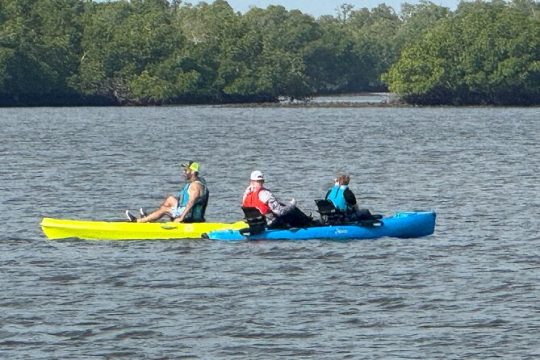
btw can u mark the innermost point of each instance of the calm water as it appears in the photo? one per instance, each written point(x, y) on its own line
point(469, 291)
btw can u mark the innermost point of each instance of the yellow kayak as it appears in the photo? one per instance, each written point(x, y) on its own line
point(104, 230)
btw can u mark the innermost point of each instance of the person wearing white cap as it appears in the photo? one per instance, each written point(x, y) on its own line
point(276, 213)
point(188, 206)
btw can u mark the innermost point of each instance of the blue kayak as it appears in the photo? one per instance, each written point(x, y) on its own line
point(401, 225)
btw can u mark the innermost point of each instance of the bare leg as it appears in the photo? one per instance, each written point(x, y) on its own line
point(164, 209)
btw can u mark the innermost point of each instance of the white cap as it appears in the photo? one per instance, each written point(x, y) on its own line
point(256, 175)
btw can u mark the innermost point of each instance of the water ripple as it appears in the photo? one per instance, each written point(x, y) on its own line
point(469, 291)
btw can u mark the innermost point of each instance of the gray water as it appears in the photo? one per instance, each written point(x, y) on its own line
point(471, 290)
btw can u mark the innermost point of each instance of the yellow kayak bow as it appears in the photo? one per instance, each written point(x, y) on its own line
point(104, 230)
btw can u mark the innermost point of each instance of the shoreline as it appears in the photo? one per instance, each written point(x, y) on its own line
point(350, 100)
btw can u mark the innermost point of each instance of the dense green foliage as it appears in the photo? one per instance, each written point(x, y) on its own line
point(485, 53)
point(161, 52)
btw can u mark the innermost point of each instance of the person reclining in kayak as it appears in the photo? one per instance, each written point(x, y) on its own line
point(344, 200)
point(277, 214)
point(190, 204)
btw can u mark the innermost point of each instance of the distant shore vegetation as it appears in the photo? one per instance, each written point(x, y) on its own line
point(157, 52)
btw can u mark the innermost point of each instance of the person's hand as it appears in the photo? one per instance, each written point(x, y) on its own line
point(293, 202)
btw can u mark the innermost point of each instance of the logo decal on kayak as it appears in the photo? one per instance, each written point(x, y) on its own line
point(341, 231)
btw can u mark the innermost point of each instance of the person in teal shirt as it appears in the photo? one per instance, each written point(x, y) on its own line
point(188, 206)
point(344, 199)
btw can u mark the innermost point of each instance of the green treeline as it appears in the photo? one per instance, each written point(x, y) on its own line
point(74, 52)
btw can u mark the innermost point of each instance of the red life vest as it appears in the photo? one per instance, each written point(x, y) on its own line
point(252, 200)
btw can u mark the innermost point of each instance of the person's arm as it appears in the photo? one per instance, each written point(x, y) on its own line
point(351, 200)
point(194, 192)
point(274, 204)
point(349, 197)
point(246, 192)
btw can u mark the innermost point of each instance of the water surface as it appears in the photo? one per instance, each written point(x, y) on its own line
point(468, 291)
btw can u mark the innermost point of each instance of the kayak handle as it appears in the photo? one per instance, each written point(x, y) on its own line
point(168, 227)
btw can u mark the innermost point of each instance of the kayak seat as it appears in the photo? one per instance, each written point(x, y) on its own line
point(255, 220)
point(328, 212)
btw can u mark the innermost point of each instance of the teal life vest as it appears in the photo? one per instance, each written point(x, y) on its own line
point(197, 211)
point(337, 196)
